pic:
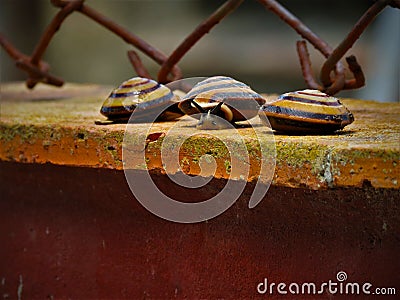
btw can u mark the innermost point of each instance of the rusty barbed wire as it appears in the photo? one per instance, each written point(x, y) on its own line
point(228, 7)
point(38, 70)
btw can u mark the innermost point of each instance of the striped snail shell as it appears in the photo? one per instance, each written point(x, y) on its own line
point(308, 111)
point(221, 96)
point(144, 96)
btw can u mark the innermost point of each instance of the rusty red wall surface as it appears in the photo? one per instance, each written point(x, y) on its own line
point(78, 233)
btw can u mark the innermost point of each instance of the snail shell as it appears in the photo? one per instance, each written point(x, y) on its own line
point(239, 101)
point(146, 96)
point(308, 111)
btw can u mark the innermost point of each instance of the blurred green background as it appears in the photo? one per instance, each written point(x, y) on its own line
point(252, 44)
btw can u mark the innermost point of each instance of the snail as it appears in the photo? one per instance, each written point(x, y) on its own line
point(144, 96)
point(307, 111)
point(221, 100)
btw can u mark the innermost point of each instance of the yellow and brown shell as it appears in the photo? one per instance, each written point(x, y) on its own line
point(307, 111)
point(145, 97)
point(240, 102)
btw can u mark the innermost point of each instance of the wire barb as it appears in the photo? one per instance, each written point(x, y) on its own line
point(348, 42)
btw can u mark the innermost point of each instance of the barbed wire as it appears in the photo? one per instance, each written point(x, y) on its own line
point(331, 78)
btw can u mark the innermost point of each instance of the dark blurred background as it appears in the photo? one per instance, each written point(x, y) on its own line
point(252, 44)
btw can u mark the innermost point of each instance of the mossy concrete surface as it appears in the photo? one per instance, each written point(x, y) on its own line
point(56, 125)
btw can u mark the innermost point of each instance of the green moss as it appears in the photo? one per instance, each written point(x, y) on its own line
point(298, 154)
point(30, 133)
point(344, 157)
point(26, 134)
point(228, 166)
point(185, 161)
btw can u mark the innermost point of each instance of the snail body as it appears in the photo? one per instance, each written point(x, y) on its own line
point(307, 111)
point(221, 97)
point(144, 96)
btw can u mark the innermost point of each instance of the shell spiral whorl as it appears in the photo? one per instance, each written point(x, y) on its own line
point(143, 95)
point(307, 111)
point(239, 101)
